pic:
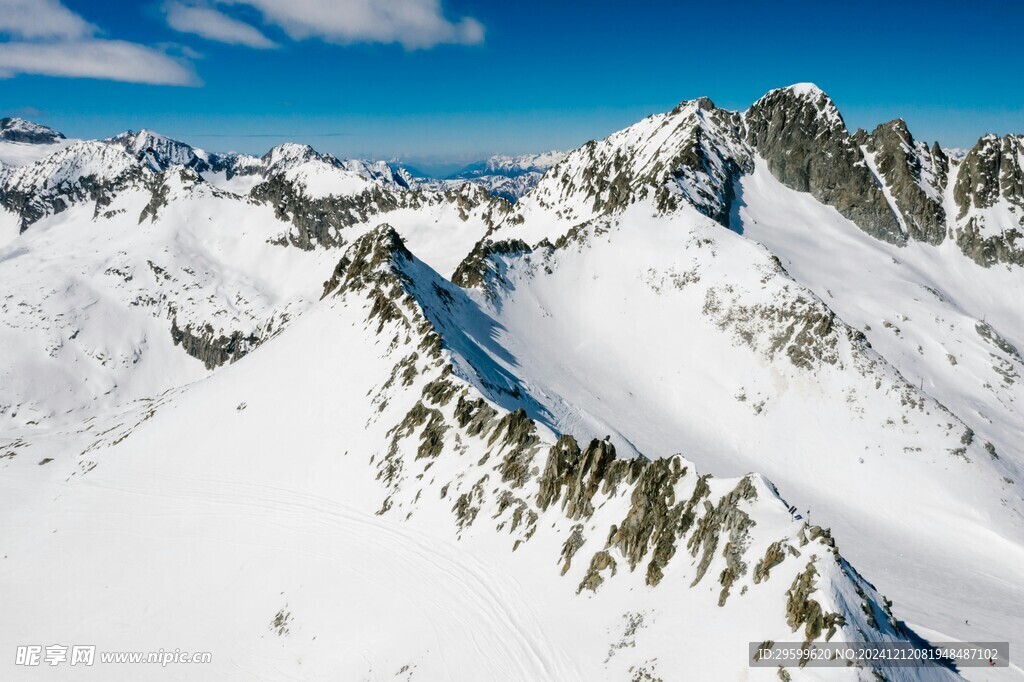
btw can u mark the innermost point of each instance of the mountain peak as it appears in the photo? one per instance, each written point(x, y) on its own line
point(805, 90)
point(798, 130)
point(801, 99)
point(14, 129)
point(291, 154)
point(158, 151)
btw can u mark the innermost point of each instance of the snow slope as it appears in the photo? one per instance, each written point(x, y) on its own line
point(339, 547)
point(675, 335)
point(24, 153)
point(94, 301)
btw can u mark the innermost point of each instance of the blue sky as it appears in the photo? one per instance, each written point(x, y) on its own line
point(446, 81)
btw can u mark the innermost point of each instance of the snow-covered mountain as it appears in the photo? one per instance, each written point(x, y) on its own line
point(513, 165)
point(722, 377)
point(510, 177)
point(507, 177)
point(23, 142)
point(14, 129)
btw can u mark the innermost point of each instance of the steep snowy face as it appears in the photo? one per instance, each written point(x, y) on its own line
point(323, 199)
point(513, 188)
point(989, 196)
point(288, 156)
point(104, 309)
point(446, 350)
point(798, 130)
point(236, 173)
point(379, 171)
point(84, 171)
point(320, 176)
point(169, 278)
point(689, 156)
point(938, 326)
point(159, 152)
point(20, 130)
point(671, 334)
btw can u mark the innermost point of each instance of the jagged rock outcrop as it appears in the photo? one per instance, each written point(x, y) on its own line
point(989, 193)
point(691, 155)
point(800, 133)
point(176, 181)
point(212, 349)
point(480, 266)
point(915, 177)
point(322, 221)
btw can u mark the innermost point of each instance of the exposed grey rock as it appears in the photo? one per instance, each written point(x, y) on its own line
point(322, 221)
point(689, 156)
point(479, 266)
point(600, 563)
point(727, 517)
point(802, 609)
point(580, 473)
point(655, 518)
point(801, 135)
point(773, 556)
point(907, 167)
point(991, 172)
point(214, 350)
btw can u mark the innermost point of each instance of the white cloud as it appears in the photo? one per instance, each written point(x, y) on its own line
point(210, 23)
point(414, 24)
point(41, 19)
point(104, 59)
point(44, 37)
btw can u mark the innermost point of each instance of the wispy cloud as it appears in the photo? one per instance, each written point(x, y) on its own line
point(414, 24)
point(208, 22)
point(44, 37)
point(41, 19)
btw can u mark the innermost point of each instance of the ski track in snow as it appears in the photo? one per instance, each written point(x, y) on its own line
point(456, 598)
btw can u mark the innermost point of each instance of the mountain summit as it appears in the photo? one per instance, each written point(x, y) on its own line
point(20, 130)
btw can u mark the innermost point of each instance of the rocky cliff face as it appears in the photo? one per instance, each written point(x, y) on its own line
point(915, 177)
point(801, 135)
point(989, 194)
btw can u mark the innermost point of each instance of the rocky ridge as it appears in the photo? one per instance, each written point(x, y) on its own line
point(613, 517)
point(893, 187)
